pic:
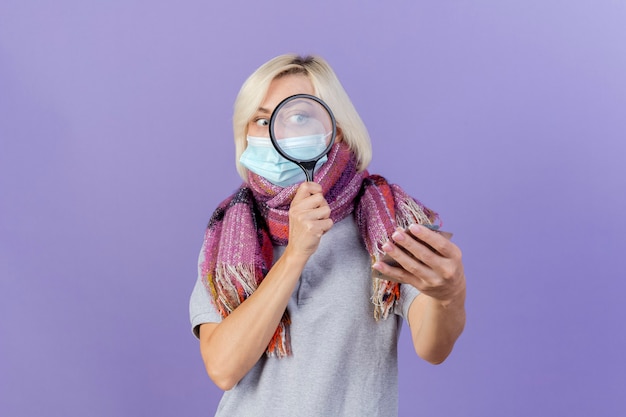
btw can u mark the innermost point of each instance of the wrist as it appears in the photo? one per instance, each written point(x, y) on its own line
point(454, 300)
point(294, 258)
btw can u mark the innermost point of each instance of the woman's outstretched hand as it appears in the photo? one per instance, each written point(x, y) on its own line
point(436, 271)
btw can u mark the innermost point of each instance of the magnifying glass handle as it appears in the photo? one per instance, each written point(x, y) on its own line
point(308, 168)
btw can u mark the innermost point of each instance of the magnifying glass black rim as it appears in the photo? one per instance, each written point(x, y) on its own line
point(275, 142)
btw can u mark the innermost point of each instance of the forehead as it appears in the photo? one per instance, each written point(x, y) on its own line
point(285, 86)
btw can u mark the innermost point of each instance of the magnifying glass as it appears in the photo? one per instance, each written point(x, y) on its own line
point(303, 129)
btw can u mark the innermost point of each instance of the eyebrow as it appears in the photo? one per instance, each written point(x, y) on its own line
point(263, 110)
point(306, 104)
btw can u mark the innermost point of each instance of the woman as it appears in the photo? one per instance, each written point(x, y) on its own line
point(296, 312)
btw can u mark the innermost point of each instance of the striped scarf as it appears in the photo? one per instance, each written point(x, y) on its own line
point(239, 239)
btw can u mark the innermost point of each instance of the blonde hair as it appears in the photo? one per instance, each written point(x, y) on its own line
point(326, 86)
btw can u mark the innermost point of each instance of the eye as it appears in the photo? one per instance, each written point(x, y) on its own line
point(262, 122)
point(298, 119)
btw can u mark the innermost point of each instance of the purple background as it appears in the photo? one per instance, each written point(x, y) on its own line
point(508, 117)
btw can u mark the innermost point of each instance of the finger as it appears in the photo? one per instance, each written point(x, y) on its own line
point(443, 267)
point(414, 249)
point(326, 224)
point(411, 261)
point(305, 200)
point(321, 211)
point(397, 273)
point(411, 271)
point(306, 189)
point(312, 208)
point(437, 241)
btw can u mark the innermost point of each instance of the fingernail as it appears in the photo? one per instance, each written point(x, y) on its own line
point(387, 247)
point(415, 228)
point(397, 236)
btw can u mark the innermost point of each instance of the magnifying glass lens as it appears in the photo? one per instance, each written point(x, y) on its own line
point(302, 129)
point(301, 118)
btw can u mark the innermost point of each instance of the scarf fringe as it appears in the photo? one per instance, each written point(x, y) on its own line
point(233, 282)
point(280, 344)
point(409, 212)
point(385, 294)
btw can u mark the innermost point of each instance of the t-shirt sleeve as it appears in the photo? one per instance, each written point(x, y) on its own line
point(201, 308)
point(407, 295)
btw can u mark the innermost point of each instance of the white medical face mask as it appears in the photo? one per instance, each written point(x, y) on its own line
point(263, 159)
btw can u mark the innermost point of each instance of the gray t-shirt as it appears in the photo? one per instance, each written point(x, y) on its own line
point(344, 362)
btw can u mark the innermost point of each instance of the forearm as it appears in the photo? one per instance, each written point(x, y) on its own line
point(436, 325)
point(231, 348)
